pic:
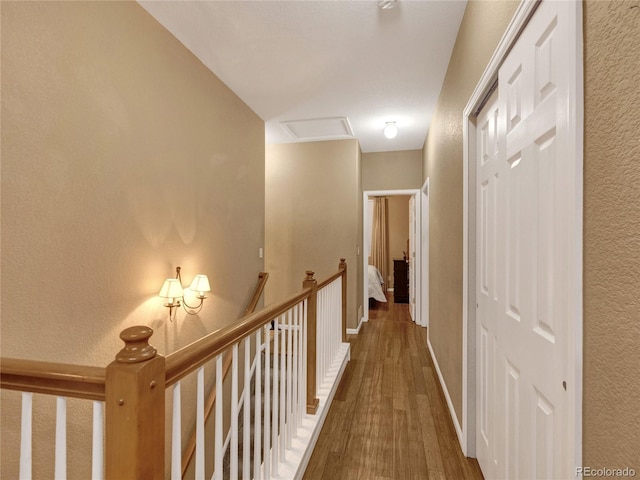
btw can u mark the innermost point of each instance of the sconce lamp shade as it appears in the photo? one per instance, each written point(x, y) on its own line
point(200, 285)
point(171, 288)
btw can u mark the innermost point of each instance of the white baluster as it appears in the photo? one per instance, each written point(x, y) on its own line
point(305, 347)
point(274, 429)
point(97, 450)
point(200, 425)
point(331, 322)
point(289, 376)
point(234, 414)
point(295, 331)
point(61, 438)
point(283, 380)
point(329, 328)
point(327, 332)
point(321, 338)
point(334, 317)
point(218, 452)
point(246, 421)
point(257, 408)
point(339, 314)
point(302, 387)
point(176, 435)
point(319, 344)
point(337, 320)
point(25, 435)
point(267, 405)
point(325, 335)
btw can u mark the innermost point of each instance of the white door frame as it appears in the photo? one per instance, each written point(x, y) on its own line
point(424, 251)
point(482, 90)
point(365, 261)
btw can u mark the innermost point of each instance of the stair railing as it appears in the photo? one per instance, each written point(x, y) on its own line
point(131, 390)
point(190, 449)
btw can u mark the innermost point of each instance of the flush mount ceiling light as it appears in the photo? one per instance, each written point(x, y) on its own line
point(390, 130)
point(387, 4)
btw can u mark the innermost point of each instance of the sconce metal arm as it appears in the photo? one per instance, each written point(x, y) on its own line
point(194, 310)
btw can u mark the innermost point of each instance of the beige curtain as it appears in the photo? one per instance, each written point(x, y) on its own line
point(379, 237)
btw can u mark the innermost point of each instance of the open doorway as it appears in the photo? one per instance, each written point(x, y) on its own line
point(411, 251)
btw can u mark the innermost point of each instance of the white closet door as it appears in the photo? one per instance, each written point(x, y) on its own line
point(488, 159)
point(526, 192)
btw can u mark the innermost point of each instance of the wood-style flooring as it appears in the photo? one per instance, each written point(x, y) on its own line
point(389, 418)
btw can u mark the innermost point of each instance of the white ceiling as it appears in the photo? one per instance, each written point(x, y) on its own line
point(311, 59)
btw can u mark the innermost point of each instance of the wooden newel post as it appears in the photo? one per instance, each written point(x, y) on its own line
point(342, 266)
point(312, 330)
point(135, 387)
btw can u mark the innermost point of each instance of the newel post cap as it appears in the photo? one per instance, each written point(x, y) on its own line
point(136, 345)
point(343, 264)
point(309, 276)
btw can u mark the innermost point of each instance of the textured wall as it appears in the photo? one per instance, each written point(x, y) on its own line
point(313, 214)
point(482, 26)
point(611, 414)
point(122, 157)
point(392, 170)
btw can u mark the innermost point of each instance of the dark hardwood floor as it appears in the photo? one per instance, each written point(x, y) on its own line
point(389, 418)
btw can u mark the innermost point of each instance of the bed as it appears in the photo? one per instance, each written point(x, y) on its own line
point(375, 284)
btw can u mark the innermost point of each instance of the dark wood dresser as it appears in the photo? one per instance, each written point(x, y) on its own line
point(400, 281)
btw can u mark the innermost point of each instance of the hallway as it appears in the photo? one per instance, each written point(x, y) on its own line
point(389, 418)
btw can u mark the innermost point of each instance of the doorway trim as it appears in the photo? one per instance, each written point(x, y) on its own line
point(415, 193)
point(482, 91)
point(424, 252)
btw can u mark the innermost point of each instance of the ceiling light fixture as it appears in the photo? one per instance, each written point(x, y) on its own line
point(386, 4)
point(390, 130)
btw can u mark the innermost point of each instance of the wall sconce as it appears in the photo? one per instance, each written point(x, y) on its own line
point(172, 288)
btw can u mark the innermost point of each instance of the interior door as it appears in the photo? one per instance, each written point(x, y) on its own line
point(525, 191)
point(488, 307)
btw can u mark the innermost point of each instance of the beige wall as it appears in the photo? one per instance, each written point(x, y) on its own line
point(313, 214)
point(122, 157)
point(398, 223)
point(612, 234)
point(482, 27)
point(392, 170)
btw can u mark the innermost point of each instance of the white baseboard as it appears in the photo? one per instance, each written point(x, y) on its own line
point(355, 331)
point(456, 422)
point(326, 392)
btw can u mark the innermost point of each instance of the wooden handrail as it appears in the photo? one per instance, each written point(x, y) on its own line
point(51, 378)
point(128, 386)
point(184, 361)
point(262, 281)
point(190, 449)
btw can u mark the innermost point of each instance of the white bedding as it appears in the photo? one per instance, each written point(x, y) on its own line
point(375, 284)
